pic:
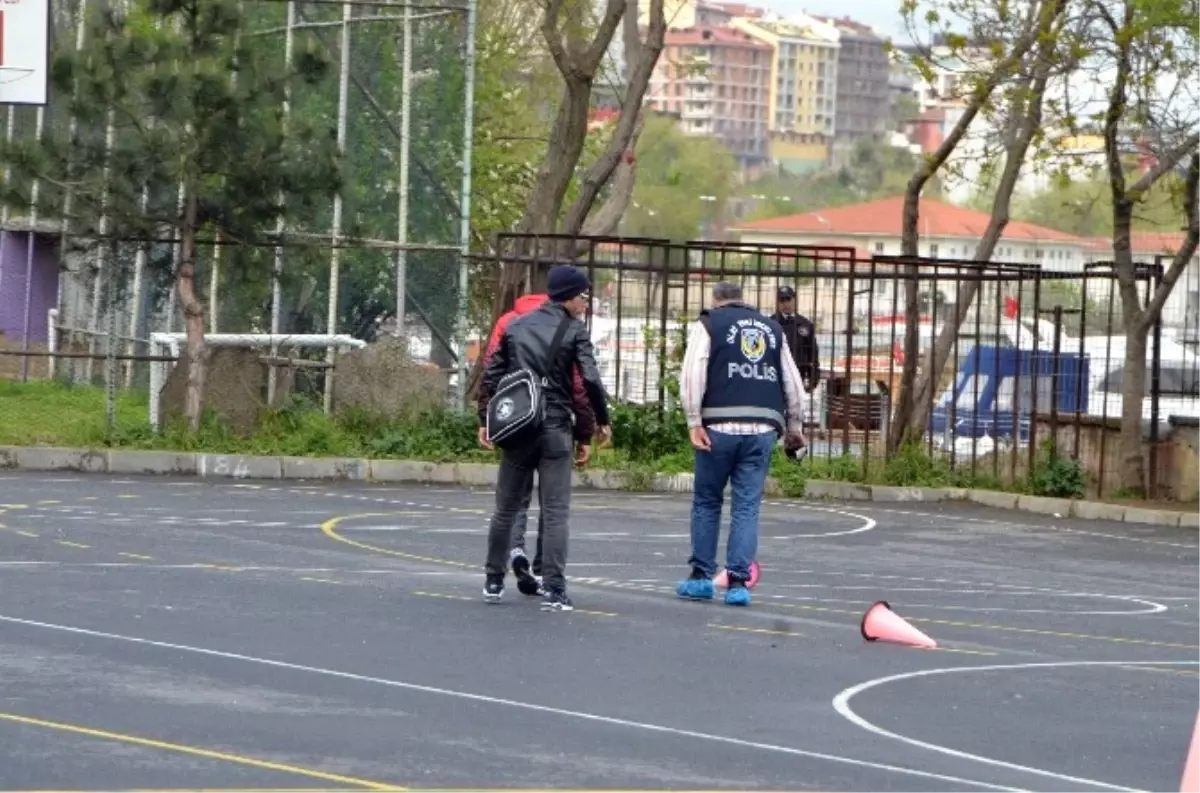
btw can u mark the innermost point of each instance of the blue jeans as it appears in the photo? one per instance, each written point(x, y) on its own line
point(743, 462)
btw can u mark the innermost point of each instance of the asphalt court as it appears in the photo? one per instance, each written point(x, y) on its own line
point(159, 633)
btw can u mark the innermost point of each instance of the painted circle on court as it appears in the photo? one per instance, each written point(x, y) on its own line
point(841, 704)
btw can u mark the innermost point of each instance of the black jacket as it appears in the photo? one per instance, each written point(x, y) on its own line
point(526, 344)
point(801, 337)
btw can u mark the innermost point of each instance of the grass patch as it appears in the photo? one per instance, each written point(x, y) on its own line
point(645, 441)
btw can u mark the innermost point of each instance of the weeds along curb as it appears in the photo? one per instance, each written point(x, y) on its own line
point(252, 467)
point(1056, 507)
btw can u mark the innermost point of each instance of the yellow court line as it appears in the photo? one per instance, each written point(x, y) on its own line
point(26, 533)
point(955, 650)
point(72, 544)
point(48, 502)
point(196, 751)
point(329, 529)
point(135, 556)
point(319, 580)
point(227, 568)
point(441, 595)
point(744, 629)
point(1161, 671)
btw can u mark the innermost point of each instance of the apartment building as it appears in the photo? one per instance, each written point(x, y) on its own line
point(804, 67)
point(863, 102)
point(717, 80)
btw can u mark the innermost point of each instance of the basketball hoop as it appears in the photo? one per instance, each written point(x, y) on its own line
point(10, 74)
point(25, 40)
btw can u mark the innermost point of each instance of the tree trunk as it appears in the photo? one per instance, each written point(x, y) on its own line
point(193, 316)
point(641, 62)
point(1133, 391)
point(567, 138)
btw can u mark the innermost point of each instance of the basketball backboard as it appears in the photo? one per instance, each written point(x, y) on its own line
point(24, 52)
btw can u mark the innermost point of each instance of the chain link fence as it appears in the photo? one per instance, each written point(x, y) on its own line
point(94, 317)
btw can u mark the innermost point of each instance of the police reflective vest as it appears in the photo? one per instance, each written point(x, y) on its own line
point(745, 369)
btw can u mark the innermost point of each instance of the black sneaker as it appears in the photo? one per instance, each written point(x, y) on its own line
point(527, 583)
point(556, 600)
point(493, 588)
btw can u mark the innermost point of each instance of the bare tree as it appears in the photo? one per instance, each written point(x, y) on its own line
point(1146, 42)
point(578, 54)
point(1023, 103)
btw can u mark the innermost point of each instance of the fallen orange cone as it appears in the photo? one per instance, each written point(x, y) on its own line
point(880, 622)
point(1191, 769)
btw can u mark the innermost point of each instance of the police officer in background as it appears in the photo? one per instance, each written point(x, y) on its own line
point(801, 337)
point(740, 391)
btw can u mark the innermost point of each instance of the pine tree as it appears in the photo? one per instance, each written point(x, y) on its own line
point(180, 130)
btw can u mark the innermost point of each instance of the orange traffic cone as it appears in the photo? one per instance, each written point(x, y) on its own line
point(880, 622)
point(1191, 768)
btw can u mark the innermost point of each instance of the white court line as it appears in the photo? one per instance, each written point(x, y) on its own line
point(446, 692)
point(241, 568)
point(1012, 524)
point(841, 704)
point(888, 577)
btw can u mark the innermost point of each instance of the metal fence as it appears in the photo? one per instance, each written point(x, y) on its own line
point(1038, 357)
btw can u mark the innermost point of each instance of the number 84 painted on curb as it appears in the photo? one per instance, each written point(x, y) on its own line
point(221, 465)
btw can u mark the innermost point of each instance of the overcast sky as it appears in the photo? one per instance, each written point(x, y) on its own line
point(881, 14)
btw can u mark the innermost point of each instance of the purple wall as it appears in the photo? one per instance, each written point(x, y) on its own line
point(13, 252)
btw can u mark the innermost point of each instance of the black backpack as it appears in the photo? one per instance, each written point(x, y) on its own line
point(516, 411)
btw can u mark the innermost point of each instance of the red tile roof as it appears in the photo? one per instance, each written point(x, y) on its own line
point(707, 34)
point(884, 218)
point(1143, 242)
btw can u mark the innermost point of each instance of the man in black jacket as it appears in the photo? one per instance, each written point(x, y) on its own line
point(526, 344)
point(801, 337)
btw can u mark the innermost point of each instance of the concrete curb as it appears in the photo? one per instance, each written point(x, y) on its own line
point(252, 467)
point(1057, 507)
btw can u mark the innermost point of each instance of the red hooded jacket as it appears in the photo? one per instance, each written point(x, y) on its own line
point(585, 417)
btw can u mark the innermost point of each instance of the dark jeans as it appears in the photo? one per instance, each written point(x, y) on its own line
point(552, 457)
point(742, 461)
point(522, 524)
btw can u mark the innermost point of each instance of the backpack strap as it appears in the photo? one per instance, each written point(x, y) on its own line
point(555, 344)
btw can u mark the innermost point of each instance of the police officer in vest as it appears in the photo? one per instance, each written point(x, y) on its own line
point(741, 391)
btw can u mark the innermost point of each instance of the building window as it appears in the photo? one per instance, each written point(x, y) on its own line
point(879, 247)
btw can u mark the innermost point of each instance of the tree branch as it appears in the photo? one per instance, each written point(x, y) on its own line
point(614, 10)
point(931, 164)
point(1024, 122)
point(1187, 250)
point(604, 221)
point(553, 39)
point(602, 169)
point(1165, 165)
